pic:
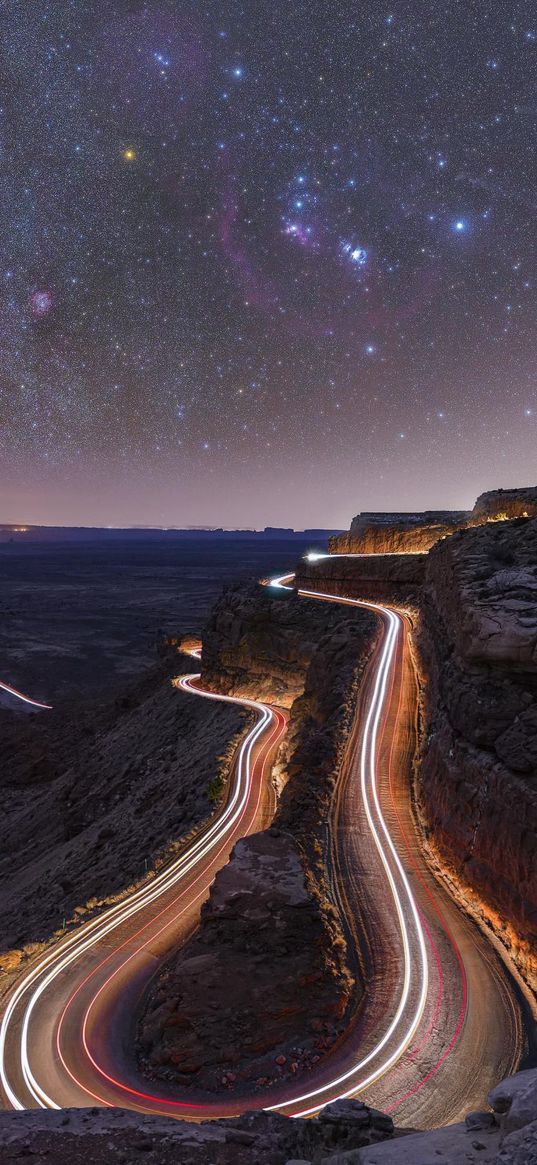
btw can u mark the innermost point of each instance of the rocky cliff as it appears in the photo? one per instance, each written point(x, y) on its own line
point(397, 533)
point(372, 533)
point(263, 990)
point(479, 769)
point(498, 504)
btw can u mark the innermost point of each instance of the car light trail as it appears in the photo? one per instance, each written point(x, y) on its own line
point(402, 894)
point(87, 936)
point(397, 1030)
point(281, 582)
point(25, 699)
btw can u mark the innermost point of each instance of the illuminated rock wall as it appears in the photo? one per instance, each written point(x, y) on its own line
point(479, 772)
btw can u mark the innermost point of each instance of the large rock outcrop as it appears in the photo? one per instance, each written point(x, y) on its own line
point(260, 643)
point(378, 533)
point(263, 990)
point(498, 504)
point(345, 1132)
point(479, 770)
point(398, 533)
point(123, 1137)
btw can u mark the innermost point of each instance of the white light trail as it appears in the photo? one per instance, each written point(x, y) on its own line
point(281, 582)
point(402, 1027)
point(387, 851)
point(88, 935)
point(20, 696)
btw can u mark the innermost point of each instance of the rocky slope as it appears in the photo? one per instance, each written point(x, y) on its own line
point(379, 533)
point(344, 1133)
point(479, 771)
point(257, 994)
point(263, 990)
point(92, 798)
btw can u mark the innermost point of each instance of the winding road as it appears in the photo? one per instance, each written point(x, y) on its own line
point(440, 1019)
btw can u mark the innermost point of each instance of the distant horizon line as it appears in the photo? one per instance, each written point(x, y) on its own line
point(25, 527)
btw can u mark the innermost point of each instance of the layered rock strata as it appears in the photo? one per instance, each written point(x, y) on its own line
point(397, 533)
point(479, 768)
point(497, 504)
point(373, 533)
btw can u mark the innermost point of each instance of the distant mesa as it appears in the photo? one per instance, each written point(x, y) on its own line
point(409, 533)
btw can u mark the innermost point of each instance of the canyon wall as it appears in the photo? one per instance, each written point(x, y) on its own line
point(373, 533)
point(498, 504)
point(478, 780)
point(477, 640)
point(385, 533)
point(264, 989)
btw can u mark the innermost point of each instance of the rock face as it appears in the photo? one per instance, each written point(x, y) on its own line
point(392, 577)
point(505, 503)
point(255, 978)
point(262, 992)
point(260, 644)
point(479, 771)
point(380, 533)
point(373, 533)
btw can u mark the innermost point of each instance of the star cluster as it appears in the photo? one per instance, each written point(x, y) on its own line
point(265, 263)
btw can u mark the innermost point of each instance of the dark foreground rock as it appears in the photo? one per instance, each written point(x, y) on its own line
point(259, 975)
point(122, 1137)
point(346, 1132)
point(479, 771)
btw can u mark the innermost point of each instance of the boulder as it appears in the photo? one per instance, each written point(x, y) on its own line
point(453, 1145)
point(519, 1148)
point(515, 1099)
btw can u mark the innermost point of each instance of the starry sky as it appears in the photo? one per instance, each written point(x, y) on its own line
point(265, 263)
